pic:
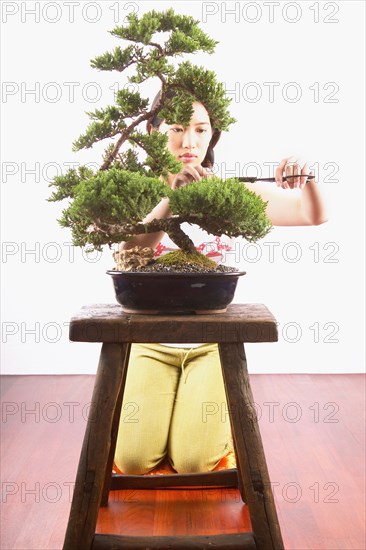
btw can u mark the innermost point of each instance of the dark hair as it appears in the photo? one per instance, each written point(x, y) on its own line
point(155, 122)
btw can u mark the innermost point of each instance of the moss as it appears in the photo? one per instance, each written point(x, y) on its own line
point(180, 257)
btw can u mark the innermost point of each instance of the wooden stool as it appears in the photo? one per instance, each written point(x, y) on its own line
point(117, 330)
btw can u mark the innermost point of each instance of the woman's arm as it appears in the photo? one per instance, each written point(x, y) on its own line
point(295, 202)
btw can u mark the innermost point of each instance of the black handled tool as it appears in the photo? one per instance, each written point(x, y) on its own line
point(248, 179)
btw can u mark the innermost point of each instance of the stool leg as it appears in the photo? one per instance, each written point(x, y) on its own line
point(252, 467)
point(240, 474)
point(114, 433)
point(95, 451)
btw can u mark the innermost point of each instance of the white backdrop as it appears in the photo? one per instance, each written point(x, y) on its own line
point(295, 71)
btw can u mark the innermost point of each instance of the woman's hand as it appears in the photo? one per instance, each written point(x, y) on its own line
point(189, 174)
point(293, 166)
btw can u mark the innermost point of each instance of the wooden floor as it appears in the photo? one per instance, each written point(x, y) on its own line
point(312, 426)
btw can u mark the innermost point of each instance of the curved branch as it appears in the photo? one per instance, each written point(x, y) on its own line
point(156, 46)
point(128, 131)
point(171, 226)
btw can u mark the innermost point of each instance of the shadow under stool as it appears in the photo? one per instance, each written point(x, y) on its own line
point(107, 323)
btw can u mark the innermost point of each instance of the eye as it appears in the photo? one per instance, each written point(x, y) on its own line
point(201, 130)
point(177, 129)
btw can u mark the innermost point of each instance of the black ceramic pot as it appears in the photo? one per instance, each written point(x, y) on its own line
point(151, 292)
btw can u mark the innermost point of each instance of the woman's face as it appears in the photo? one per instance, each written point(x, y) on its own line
point(189, 144)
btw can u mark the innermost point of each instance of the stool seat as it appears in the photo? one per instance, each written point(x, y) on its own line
point(117, 330)
point(109, 323)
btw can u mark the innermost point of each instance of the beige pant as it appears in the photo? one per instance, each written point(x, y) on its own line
point(174, 405)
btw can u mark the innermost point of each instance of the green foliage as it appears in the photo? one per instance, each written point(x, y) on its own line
point(128, 160)
point(110, 125)
point(130, 103)
point(139, 30)
point(186, 36)
point(189, 41)
point(109, 199)
point(67, 184)
point(197, 83)
point(222, 207)
point(110, 121)
point(152, 66)
point(159, 159)
point(178, 109)
point(119, 60)
point(183, 258)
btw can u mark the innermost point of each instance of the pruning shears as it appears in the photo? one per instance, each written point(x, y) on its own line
point(249, 179)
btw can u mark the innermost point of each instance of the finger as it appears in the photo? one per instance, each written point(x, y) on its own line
point(293, 170)
point(288, 174)
point(200, 169)
point(192, 173)
point(182, 179)
point(279, 173)
point(305, 170)
point(206, 172)
point(178, 182)
point(300, 168)
point(186, 176)
point(296, 172)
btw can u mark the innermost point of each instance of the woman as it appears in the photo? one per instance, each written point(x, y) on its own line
point(174, 403)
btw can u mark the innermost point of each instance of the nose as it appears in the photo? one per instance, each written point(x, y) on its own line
point(189, 139)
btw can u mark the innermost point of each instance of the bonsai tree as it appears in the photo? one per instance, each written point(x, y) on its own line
point(108, 205)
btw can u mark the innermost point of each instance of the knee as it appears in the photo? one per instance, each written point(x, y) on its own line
point(191, 464)
point(132, 465)
point(189, 460)
point(135, 457)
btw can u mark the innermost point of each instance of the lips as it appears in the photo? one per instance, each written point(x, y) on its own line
point(187, 156)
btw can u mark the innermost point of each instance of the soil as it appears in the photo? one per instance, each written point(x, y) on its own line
point(182, 268)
